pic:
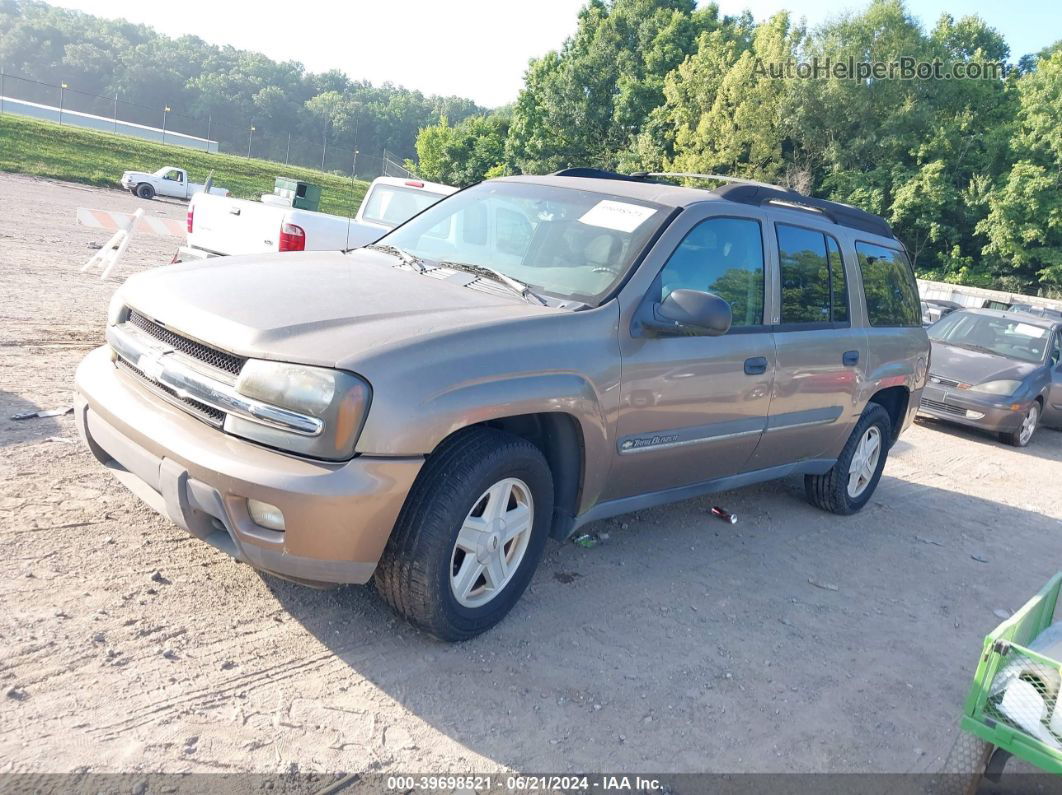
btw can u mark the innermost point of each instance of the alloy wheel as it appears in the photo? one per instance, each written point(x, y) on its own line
point(1028, 424)
point(864, 462)
point(491, 542)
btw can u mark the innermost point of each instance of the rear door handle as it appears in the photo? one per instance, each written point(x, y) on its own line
point(756, 365)
point(850, 358)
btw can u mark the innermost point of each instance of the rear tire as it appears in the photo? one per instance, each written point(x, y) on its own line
point(427, 573)
point(1024, 434)
point(145, 191)
point(846, 488)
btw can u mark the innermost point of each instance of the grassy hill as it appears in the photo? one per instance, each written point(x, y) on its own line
point(45, 149)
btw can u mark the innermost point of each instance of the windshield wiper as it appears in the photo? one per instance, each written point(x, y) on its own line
point(404, 257)
point(482, 270)
point(972, 347)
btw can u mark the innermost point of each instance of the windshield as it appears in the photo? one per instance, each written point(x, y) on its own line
point(564, 242)
point(390, 205)
point(1003, 336)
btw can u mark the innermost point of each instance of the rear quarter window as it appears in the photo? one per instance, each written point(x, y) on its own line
point(889, 286)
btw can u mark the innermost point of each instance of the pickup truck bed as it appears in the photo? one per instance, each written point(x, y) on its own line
point(221, 226)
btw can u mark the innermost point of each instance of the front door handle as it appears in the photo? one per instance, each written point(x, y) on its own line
point(757, 365)
point(850, 358)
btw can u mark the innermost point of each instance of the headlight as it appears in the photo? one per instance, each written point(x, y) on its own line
point(1003, 387)
point(339, 399)
point(116, 310)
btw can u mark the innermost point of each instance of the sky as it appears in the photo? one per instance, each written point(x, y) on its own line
point(478, 48)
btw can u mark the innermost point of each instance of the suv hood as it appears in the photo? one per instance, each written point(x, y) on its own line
point(975, 367)
point(312, 307)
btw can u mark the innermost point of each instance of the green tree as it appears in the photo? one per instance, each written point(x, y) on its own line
point(1024, 223)
point(588, 102)
point(464, 154)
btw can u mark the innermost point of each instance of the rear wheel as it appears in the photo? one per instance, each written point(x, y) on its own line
point(1024, 434)
point(848, 486)
point(470, 535)
point(145, 191)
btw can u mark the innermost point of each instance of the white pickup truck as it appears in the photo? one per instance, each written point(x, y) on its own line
point(220, 226)
point(167, 181)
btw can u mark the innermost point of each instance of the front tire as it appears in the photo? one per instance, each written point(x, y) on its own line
point(1024, 434)
point(849, 485)
point(145, 191)
point(470, 535)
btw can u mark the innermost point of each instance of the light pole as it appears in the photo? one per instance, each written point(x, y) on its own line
point(287, 152)
point(116, 112)
point(62, 88)
point(354, 168)
point(165, 110)
point(250, 138)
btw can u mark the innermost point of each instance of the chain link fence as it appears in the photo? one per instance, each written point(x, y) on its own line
point(67, 105)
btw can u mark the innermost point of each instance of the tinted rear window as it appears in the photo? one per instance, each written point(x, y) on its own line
point(889, 286)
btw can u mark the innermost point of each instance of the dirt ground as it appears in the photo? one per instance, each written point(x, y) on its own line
point(679, 644)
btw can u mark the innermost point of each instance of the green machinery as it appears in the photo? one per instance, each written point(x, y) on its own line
point(303, 195)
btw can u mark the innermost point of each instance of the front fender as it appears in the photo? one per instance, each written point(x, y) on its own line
point(395, 430)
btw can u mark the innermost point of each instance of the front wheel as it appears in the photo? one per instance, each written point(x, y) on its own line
point(848, 486)
point(470, 535)
point(145, 191)
point(1024, 434)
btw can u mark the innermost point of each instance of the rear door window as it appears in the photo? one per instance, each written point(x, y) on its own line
point(814, 288)
point(838, 282)
point(889, 286)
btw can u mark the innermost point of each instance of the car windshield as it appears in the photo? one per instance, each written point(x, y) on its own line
point(1002, 336)
point(563, 242)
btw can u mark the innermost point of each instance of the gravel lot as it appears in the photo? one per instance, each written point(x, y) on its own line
point(793, 641)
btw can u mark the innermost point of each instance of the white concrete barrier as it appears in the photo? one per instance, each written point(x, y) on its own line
point(21, 107)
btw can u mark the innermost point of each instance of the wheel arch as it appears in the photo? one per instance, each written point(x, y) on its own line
point(895, 400)
point(559, 436)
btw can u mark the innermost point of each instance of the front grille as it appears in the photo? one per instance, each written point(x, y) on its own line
point(943, 408)
point(194, 407)
point(197, 350)
point(936, 379)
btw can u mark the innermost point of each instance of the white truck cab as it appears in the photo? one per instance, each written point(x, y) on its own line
point(168, 181)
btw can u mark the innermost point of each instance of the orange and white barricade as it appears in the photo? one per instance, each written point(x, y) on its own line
point(123, 225)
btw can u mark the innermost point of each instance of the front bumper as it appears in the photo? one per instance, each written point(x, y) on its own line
point(338, 516)
point(953, 405)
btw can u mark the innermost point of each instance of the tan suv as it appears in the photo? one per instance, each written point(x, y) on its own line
point(524, 357)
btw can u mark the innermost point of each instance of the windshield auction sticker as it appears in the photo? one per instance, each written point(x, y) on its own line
point(616, 215)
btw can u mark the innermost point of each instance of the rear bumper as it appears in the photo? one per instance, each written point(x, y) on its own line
point(947, 405)
point(338, 517)
point(193, 254)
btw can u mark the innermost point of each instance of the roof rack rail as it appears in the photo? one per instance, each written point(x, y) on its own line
point(716, 177)
point(747, 191)
point(841, 214)
point(597, 173)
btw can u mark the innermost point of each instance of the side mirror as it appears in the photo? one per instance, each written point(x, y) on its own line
point(692, 312)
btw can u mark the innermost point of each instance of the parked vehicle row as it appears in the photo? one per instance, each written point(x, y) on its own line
point(523, 357)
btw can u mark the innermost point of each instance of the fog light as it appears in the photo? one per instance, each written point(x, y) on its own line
point(970, 415)
point(265, 514)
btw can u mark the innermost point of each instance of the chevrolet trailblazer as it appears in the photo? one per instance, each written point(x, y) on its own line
point(526, 356)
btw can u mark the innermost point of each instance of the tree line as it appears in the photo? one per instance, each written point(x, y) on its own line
point(233, 88)
point(967, 171)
